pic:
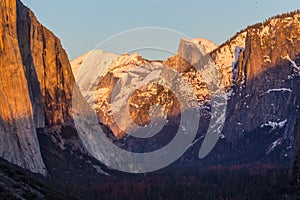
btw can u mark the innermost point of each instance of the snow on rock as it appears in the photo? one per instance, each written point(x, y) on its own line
point(225, 55)
point(274, 124)
point(296, 67)
point(77, 62)
point(237, 52)
point(274, 145)
point(279, 90)
point(93, 67)
point(267, 59)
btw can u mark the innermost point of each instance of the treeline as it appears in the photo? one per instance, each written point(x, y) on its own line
point(256, 26)
point(236, 182)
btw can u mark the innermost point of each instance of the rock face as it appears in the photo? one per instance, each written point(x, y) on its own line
point(49, 76)
point(265, 87)
point(19, 143)
point(36, 84)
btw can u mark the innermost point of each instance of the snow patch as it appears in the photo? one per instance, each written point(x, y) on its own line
point(274, 124)
point(267, 59)
point(274, 145)
point(296, 67)
point(100, 170)
point(280, 90)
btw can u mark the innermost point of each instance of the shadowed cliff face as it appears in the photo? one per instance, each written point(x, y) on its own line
point(295, 164)
point(36, 84)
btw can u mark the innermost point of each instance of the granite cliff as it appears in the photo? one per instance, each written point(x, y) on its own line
point(265, 89)
point(36, 85)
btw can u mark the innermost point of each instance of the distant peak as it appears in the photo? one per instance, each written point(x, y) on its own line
point(208, 45)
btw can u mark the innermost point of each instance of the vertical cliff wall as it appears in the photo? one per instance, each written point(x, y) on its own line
point(295, 164)
point(18, 139)
point(36, 84)
point(48, 72)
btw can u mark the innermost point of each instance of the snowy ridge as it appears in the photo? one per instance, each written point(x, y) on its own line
point(76, 63)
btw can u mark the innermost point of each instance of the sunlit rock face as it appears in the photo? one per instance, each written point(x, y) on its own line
point(50, 78)
point(18, 139)
point(36, 85)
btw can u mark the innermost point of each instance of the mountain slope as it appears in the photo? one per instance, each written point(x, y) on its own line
point(17, 183)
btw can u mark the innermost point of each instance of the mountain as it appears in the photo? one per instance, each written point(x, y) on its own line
point(259, 67)
point(98, 73)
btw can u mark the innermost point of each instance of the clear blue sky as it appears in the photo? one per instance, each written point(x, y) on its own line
point(81, 25)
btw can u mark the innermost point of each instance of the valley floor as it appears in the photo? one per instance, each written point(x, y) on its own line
point(234, 182)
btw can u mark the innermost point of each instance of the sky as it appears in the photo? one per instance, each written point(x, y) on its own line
point(82, 25)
